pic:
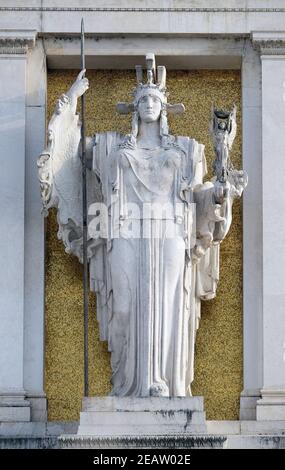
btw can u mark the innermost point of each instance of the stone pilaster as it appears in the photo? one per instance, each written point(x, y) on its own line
point(252, 232)
point(271, 46)
point(14, 46)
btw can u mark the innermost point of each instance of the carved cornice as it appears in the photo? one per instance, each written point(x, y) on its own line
point(269, 42)
point(154, 9)
point(17, 41)
point(168, 441)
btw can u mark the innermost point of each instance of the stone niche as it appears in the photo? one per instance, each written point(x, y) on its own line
point(218, 368)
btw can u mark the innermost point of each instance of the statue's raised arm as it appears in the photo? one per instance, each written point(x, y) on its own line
point(60, 167)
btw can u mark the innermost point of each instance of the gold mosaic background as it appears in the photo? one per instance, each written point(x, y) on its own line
point(218, 368)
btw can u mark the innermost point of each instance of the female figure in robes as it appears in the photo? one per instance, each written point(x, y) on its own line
point(154, 229)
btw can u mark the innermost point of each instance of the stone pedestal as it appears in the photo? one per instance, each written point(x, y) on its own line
point(179, 441)
point(114, 416)
point(113, 422)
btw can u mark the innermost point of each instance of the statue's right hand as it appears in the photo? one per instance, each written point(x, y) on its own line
point(80, 85)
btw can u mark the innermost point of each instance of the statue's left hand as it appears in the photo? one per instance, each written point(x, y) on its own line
point(214, 209)
point(221, 191)
point(224, 194)
point(231, 188)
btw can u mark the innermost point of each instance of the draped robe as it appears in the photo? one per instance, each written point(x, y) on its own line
point(148, 290)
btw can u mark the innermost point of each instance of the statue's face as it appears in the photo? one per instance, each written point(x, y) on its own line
point(149, 108)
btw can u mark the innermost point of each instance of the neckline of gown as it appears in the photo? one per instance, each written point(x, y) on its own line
point(150, 148)
point(148, 153)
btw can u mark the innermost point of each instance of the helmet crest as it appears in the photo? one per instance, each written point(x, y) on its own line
point(155, 85)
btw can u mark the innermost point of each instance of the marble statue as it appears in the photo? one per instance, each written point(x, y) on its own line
point(154, 228)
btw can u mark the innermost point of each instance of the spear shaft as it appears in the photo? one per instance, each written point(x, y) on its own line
point(84, 223)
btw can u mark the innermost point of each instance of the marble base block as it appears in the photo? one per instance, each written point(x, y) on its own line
point(126, 416)
point(14, 408)
point(271, 407)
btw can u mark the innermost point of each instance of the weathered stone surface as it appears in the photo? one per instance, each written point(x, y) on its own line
point(124, 416)
point(144, 441)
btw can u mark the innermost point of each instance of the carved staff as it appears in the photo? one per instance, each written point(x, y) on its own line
point(84, 223)
point(223, 130)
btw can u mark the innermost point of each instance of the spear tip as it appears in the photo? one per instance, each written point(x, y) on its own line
point(82, 45)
